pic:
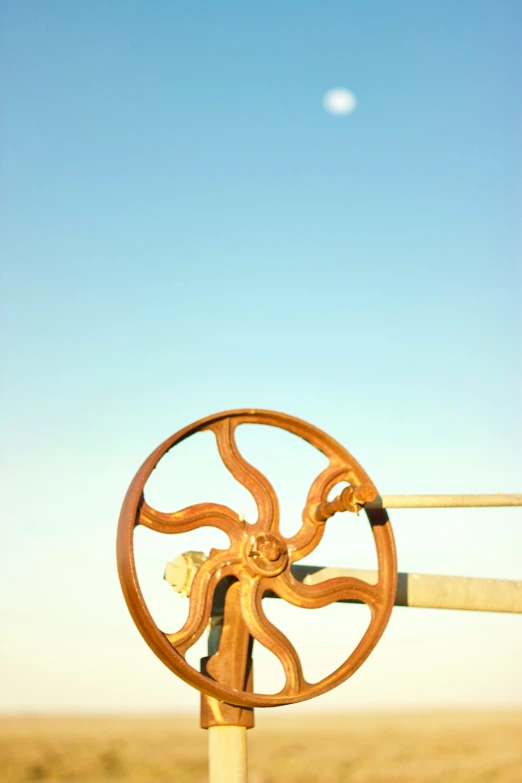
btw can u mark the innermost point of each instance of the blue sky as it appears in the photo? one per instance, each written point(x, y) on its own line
point(186, 230)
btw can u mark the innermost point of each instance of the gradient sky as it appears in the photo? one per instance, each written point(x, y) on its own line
point(186, 230)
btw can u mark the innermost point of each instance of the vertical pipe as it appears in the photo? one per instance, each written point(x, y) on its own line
point(227, 754)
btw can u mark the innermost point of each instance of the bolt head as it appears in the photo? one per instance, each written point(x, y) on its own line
point(268, 554)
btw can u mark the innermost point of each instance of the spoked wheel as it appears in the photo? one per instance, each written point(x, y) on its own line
point(259, 558)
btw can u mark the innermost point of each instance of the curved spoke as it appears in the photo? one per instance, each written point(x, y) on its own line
point(208, 575)
point(200, 515)
point(344, 588)
point(306, 540)
point(251, 478)
point(311, 531)
point(270, 636)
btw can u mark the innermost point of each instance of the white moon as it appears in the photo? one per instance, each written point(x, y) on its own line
point(339, 101)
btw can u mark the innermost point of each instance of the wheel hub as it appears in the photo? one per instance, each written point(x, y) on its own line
point(267, 554)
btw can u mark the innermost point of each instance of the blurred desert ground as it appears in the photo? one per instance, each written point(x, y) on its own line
point(422, 746)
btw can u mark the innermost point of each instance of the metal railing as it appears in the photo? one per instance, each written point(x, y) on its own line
point(445, 501)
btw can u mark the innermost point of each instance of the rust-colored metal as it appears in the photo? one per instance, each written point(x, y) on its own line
point(259, 560)
point(350, 499)
point(230, 664)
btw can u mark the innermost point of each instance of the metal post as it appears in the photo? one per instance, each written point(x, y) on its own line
point(229, 661)
point(227, 754)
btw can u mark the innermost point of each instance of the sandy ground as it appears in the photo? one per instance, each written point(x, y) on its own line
point(421, 747)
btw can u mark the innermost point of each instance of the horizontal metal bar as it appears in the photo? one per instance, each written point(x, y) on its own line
point(431, 591)
point(428, 591)
point(444, 501)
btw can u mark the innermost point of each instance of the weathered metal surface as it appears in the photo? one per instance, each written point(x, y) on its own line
point(427, 591)
point(259, 558)
point(230, 661)
point(445, 501)
point(433, 591)
point(350, 499)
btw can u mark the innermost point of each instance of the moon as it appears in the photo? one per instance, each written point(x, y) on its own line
point(339, 101)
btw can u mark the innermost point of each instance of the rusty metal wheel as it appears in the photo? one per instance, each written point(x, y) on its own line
point(259, 557)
